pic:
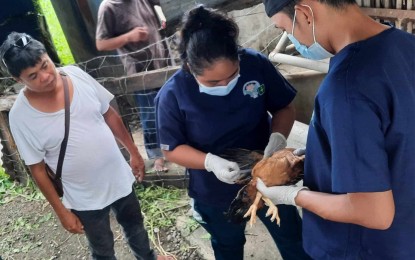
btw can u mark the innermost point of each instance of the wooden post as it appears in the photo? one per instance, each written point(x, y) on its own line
point(18, 171)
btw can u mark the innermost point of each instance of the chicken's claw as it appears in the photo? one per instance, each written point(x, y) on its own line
point(253, 208)
point(272, 210)
point(251, 212)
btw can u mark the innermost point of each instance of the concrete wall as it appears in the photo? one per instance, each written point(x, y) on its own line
point(75, 29)
point(256, 29)
point(174, 9)
point(78, 20)
point(306, 83)
point(257, 32)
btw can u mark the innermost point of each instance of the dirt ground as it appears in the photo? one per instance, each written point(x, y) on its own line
point(30, 230)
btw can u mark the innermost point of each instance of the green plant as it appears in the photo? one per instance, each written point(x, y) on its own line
point(55, 29)
point(10, 189)
point(191, 225)
point(160, 207)
point(22, 229)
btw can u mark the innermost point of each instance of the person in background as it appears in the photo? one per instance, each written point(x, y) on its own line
point(132, 28)
point(92, 186)
point(221, 99)
point(359, 165)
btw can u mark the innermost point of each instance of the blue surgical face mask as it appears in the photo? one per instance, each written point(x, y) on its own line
point(219, 90)
point(315, 51)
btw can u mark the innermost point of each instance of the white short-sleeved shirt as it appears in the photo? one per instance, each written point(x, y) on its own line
point(94, 172)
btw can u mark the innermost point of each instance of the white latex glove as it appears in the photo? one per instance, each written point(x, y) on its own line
point(276, 142)
point(299, 151)
point(280, 194)
point(224, 170)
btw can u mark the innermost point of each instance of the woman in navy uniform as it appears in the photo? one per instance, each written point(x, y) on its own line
point(222, 98)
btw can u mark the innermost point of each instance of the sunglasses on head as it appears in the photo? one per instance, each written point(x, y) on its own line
point(20, 43)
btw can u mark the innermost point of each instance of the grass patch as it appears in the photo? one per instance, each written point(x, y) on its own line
point(160, 205)
point(56, 32)
point(9, 190)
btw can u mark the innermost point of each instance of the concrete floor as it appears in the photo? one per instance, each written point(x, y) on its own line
point(259, 244)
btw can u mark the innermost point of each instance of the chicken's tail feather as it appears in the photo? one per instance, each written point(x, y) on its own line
point(246, 159)
point(238, 207)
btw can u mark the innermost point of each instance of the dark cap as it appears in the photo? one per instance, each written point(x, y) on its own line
point(274, 6)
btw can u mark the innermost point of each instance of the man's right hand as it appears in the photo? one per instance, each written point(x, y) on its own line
point(138, 34)
point(71, 222)
point(224, 170)
point(137, 166)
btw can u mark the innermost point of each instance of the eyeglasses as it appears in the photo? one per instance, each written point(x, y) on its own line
point(20, 43)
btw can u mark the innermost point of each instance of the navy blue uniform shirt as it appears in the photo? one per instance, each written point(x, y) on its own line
point(214, 123)
point(362, 139)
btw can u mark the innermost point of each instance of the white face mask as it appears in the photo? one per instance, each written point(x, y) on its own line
point(315, 51)
point(219, 90)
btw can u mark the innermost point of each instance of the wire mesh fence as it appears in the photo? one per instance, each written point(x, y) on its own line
point(257, 32)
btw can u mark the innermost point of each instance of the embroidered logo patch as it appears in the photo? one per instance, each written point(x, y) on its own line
point(165, 147)
point(253, 89)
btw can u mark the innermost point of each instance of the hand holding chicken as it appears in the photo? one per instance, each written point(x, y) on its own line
point(284, 167)
point(279, 194)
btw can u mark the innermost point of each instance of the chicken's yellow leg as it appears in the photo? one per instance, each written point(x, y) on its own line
point(253, 208)
point(272, 210)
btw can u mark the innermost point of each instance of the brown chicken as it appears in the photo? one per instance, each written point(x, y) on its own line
point(282, 168)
